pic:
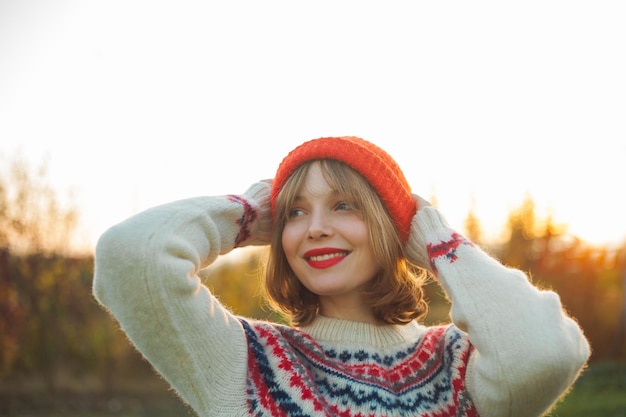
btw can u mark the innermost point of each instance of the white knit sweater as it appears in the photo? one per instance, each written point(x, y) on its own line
point(511, 350)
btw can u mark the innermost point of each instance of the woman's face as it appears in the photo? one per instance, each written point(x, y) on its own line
point(326, 243)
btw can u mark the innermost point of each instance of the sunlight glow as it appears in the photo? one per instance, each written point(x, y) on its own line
point(138, 103)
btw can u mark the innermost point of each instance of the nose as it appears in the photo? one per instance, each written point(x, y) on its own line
point(319, 225)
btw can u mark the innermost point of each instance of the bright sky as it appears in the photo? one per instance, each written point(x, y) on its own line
point(138, 102)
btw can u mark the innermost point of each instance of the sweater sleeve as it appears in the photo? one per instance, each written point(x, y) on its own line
point(528, 352)
point(146, 275)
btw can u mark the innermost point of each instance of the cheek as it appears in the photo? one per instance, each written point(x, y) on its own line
point(290, 240)
point(357, 230)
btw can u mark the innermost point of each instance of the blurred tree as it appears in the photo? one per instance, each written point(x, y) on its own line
point(34, 233)
point(33, 218)
point(619, 341)
point(518, 249)
point(10, 314)
point(587, 278)
point(473, 227)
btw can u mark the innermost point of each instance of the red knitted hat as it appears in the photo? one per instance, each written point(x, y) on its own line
point(373, 163)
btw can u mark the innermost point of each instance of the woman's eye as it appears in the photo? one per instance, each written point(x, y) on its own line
point(294, 212)
point(343, 206)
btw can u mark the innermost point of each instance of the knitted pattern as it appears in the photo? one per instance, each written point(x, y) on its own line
point(290, 374)
point(248, 216)
point(373, 163)
point(446, 249)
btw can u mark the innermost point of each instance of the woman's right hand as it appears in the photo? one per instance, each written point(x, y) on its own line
point(258, 195)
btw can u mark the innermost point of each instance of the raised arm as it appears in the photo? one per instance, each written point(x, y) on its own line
point(146, 275)
point(527, 350)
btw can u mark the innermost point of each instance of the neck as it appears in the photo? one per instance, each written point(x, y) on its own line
point(347, 309)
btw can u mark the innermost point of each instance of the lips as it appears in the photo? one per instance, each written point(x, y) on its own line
point(325, 257)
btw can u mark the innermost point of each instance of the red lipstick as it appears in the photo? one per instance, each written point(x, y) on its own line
point(325, 257)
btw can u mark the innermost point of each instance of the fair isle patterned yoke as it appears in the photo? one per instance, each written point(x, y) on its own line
point(290, 374)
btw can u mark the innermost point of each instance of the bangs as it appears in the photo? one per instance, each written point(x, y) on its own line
point(342, 179)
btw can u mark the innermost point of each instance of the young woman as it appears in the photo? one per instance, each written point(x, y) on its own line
point(349, 247)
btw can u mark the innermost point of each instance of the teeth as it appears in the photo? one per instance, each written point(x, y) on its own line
point(325, 257)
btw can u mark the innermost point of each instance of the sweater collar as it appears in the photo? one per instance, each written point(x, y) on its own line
point(327, 329)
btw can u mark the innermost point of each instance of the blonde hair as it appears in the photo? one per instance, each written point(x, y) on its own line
point(395, 293)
